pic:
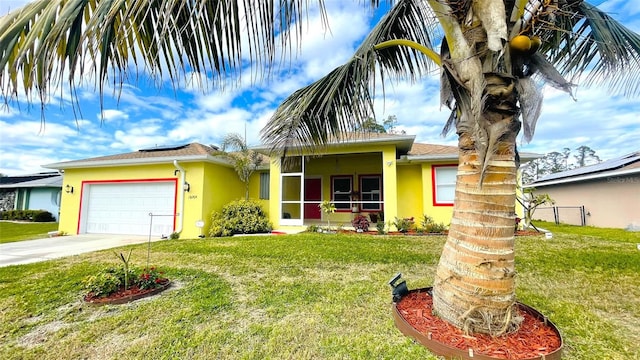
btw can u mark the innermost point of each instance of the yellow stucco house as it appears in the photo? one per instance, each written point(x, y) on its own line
point(170, 189)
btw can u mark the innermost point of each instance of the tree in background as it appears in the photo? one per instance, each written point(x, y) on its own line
point(245, 161)
point(555, 162)
point(371, 126)
point(388, 125)
point(586, 156)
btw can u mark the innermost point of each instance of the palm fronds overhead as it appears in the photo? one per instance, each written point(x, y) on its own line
point(341, 100)
point(581, 40)
point(48, 42)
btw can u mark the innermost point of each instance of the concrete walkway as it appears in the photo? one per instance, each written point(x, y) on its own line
point(30, 251)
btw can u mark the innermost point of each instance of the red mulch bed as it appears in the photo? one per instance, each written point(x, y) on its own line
point(533, 339)
point(122, 296)
point(528, 233)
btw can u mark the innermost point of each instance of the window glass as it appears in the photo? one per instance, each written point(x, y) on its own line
point(445, 184)
point(341, 192)
point(264, 186)
point(370, 190)
point(291, 164)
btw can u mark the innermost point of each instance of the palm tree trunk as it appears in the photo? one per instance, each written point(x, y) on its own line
point(474, 288)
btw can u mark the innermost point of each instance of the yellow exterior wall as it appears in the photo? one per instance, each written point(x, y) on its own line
point(410, 190)
point(353, 165)
point(254, 190)
point(222, 187)
point(440, 214)
point(211, 187)
point(352, 161)
point(70, 203)
point(274, 192)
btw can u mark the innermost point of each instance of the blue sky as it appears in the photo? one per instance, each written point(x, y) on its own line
point(147, 116)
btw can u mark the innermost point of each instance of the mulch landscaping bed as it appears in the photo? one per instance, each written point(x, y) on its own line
point(123, 296)
point(534, 338)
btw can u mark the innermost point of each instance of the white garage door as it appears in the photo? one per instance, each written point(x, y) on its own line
point(123, 208)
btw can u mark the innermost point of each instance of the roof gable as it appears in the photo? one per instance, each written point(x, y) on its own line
point(402, 142)
point(193, 151)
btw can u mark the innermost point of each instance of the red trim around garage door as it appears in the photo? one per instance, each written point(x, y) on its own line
point(94, 182)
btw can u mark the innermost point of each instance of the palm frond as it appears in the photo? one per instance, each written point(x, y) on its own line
point(48, 41)
point(581, 40)
point(343, 99)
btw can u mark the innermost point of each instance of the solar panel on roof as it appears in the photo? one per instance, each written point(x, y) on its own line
point(603, 166)
point(165, 147)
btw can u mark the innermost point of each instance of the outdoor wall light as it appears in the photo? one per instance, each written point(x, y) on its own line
point(186, 187)
point(68, 189)
point(398, 289)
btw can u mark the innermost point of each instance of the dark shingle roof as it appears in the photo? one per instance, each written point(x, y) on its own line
point(24, 178)
point(629, 161)
point(161, 151)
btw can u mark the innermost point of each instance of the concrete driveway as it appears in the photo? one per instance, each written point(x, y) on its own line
point(24, 252)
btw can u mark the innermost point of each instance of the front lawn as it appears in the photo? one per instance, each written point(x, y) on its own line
point(306, 296)
point(19, 231)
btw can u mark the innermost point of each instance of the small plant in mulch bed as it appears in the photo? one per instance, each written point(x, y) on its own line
point(381, 227)
point(124, 283)
point(429, 226)
point(404, 225)
point(360, 223)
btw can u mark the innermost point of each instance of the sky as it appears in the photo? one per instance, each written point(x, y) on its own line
point(146, 115)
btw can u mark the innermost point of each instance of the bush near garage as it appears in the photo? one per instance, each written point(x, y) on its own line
point(27, 215)
point(239, 217)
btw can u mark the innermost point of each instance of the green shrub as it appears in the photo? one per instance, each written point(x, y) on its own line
point(104, 282)
point(28, 215)
point(150, 278)
point(404, 225)
point(313, 228)
point(239, 217)
point(43, 216)
point(428, 225)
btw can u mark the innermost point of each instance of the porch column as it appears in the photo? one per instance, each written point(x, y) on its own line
point(389, 183)
point(274, 193)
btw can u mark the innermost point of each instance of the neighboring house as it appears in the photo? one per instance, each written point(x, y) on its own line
point(604, 195)
point(365, 174)
point(31, 192)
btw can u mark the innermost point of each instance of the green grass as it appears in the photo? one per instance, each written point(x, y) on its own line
point(14, 231)
point(307, 296)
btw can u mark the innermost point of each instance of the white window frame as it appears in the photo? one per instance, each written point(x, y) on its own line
point(339, 204)
point(444, 181)
point(367, 203)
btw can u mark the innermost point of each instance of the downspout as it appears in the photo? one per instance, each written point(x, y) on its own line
point(181, 191)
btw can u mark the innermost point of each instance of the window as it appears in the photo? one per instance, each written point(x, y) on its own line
point(371, 190)
point(341, 187)
point(444, 184)
point(264, 186)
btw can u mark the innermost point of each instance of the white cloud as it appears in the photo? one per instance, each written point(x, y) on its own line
point(112, 115)
point(142, 116)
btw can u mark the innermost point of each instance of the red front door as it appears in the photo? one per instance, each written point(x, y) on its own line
point(312, 198)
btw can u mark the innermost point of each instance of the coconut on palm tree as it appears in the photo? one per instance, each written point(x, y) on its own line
point(491, 55)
